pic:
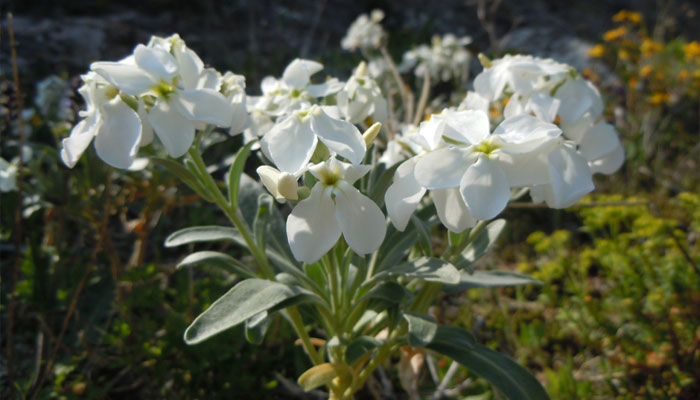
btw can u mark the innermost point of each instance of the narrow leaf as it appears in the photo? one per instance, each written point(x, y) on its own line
point(481, 244)
point(243, 301)
point(483, 279)
point(217, 259)
point(427, 268)
point(421, 329)
point(206, 233)
point(359, 347)
point(256, 327)
point(234, 174)
point(514, 381)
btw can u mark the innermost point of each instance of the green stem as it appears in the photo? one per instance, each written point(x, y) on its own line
point(258, 254)
point(382, 354)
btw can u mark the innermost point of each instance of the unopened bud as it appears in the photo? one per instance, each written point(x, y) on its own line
point(282, 185)
point(371, 133)
point(485, 61)
point(287, 186)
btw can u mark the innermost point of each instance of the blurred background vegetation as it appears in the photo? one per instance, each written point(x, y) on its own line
point(93, 307)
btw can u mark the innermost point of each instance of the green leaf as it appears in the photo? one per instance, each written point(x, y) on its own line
point(316, 376)
point(359, 347)
point(387, 291)
point(205, 233)
point(185, 175)
point(256, 327)
point(424, 237)
point(217, 259)
point(483, 279)
point(481, 244)
point(260, 224)
point(421, 329)
point(245, 300)
point(378, 189)
point(514, 381)
point(234, 174)
point(427, 268)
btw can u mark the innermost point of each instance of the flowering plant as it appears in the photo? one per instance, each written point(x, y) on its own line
point(355, 286)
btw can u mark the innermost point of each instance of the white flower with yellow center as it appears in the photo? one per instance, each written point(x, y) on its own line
point(335, 207)
point(291, 142)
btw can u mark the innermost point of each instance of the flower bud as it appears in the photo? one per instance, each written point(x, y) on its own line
point(371, 133)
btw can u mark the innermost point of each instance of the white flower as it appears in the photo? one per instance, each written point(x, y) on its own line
point(291, 142)
point(233, 87)
point(518, 74)
point(361, 98)
point(334, 207)
point(365, 32)
point(170, 83)
point(445, 59)
point(485, 166)
point(8, 176)
point(294, 90)
point(116, 127)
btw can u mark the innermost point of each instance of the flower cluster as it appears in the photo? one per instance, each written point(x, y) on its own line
point(549, 135)
point(162, 88)
point(365, 33)
point(550, 140)
point(444, 60)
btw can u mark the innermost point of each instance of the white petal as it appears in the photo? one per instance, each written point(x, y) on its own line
point(544, 106)
point(442, 168)
point(404, 195)
point(291, 144)
point(570, 176)
point(191, 66)
point(452, 210)
point(157, 62)
point(339, 136)
point(269, 177)
point(485, 189)
point(610, 163)
point(203, 105)
point(117, 140)
point(174, 131)
point(599, 141)
point(524, 133)
point(324, 89)
point(130, 79)
point(577, 130)
point(360, 219)
point(298, 72)
point(577, 97)
point(146, 128)
point(354, 172)
point(80, 137)
point(490, 82)
point(240, 119)
point(525, 169)
point(432, 130)
point(312, 227)
point(470, 126)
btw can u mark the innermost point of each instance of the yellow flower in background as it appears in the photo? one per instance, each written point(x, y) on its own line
point(683, 74)
point(645, 71)
point(623, 54)
point(614, 34)
point(632, 82)
point(692, 51)
point(650, 47)
point(628, 16)
point(596, 51)
point(660, 98)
